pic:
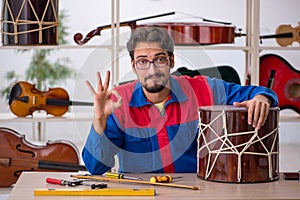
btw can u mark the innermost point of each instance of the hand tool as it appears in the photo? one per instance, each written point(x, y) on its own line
point(75, 183)
point(101, 178)
point(120, 176)
point(163, 179)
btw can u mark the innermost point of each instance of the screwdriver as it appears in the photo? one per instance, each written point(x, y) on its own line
point(120, 176)
point(162, 179)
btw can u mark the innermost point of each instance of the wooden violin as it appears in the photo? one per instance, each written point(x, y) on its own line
point(18, 155)
point(203, 33)
point(289, 34)
point(285, 35)
point(207, 32)
point(24, 99)
point(78, 37)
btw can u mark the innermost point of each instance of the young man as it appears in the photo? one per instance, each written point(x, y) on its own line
point(152, 123)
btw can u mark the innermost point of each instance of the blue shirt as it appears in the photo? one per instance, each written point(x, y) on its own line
point(147, 141)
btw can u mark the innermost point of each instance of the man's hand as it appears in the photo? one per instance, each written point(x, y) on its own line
point(258, 110)
point(103, 105)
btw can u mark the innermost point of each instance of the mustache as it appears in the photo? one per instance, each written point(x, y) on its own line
point(157, 74)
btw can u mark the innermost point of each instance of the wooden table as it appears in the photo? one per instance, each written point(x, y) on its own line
point(282, 189)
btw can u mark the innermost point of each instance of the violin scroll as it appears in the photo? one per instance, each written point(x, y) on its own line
point(78, 36)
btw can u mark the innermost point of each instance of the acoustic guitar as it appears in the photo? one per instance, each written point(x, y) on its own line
point(279, 75)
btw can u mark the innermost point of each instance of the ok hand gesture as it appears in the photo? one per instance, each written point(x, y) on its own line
point(103, 105)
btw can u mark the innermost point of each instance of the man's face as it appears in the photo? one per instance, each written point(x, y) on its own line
point(155, 78)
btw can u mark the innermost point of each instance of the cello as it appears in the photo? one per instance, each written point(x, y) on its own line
point(18, 155)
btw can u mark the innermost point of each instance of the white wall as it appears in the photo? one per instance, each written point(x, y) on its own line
point(87, 15)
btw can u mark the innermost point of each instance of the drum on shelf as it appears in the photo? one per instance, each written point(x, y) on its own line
point(29, 22)
point(230, 150)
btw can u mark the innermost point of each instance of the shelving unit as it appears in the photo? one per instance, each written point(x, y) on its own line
point(252, 50)
point(56, 47)
point(252, 47)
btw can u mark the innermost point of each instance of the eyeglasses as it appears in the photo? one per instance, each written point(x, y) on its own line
point(159, 62)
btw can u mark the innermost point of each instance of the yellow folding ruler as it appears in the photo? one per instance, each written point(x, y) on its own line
point(94, 192)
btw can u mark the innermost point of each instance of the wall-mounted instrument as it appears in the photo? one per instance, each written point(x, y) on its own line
point(25, 98)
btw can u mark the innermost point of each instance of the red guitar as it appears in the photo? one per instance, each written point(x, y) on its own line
point(276, 73)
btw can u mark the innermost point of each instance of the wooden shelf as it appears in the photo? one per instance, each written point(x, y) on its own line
point(87, 116)
point(20, 47)
point(279, 48)
point(42, 117)
point(252, 49)
point(213, 47)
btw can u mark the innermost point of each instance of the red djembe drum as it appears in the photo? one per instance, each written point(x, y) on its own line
point(230, 150)
point(29, 22)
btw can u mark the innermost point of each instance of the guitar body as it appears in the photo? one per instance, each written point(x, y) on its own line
point(277, 74)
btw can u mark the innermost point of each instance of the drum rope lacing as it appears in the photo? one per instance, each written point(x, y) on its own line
point(232, 149)
point(19, 21)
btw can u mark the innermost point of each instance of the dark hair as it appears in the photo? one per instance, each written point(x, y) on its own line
point(150, 34)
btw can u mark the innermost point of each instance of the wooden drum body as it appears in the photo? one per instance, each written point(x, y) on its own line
point(29, 22)
point(230, 150)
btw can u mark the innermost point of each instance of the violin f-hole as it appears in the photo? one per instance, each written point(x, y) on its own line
point(18, 147)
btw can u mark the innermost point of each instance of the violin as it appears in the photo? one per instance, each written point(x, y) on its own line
point(203, 33)
point(207, 32)
point(78, 37)
point(18, 155)
point(286, 34)
point(25, 98)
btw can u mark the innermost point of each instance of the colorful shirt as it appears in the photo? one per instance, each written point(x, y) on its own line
point(147, 141)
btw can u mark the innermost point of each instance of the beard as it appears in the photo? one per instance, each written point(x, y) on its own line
point(156, 86)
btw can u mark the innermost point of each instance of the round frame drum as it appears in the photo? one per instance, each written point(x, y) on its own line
point(29, 22)
point(230, 150)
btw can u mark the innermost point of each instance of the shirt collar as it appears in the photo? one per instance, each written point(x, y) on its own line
point(139, 99)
